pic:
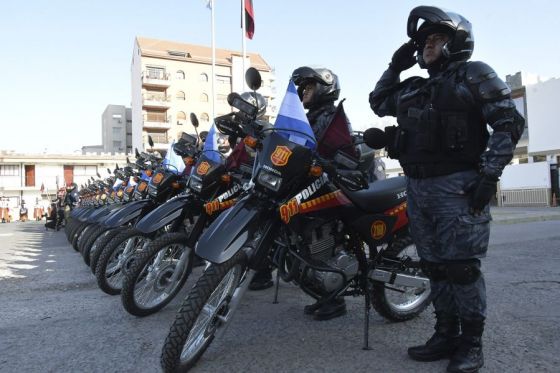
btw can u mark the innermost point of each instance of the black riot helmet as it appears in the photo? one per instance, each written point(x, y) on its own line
point(461, 43)
point(327, 87)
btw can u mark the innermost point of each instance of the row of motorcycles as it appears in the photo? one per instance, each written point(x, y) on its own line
point(273, 202)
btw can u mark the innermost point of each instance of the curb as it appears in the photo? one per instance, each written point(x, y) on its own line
point(527, 219)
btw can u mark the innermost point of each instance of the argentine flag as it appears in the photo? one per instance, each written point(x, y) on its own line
point(211, 145)
point(173, 160)
point(117, 184)
point(291, 117)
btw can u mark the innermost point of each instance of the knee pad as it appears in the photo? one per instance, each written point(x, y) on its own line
point(463, 272)
point(434, 271)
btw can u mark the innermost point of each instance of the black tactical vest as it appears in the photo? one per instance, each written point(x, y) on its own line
point(441, 127)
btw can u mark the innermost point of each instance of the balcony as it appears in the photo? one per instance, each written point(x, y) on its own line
point(156, 101)
point(156, 122)
point(155, 80)
point(161, 141)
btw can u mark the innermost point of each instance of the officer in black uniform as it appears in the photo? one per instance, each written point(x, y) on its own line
point(453, 166)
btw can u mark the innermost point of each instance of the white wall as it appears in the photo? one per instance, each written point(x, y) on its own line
point(543, 118)
point(136, 103)
point(526, 176)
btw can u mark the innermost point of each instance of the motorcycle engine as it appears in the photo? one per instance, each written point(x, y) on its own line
point(323, 249)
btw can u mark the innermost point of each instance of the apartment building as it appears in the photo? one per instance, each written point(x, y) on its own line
point(35, 177)
point(170, 80)
point(116, 131)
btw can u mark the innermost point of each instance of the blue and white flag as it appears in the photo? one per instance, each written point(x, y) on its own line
point(175, 163)
point(211, 145)
point(117, 184)
point(292, 118)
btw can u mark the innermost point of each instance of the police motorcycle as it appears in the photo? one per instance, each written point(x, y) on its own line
point(324, 227)
point(120, 219)
point(115, 257)
point(94, 196)
point(160, 271)
point(97, 207)
point(123, 189)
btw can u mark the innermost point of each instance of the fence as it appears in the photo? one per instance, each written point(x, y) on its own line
point(526, 197)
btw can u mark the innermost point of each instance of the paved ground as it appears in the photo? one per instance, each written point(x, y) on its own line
point(55, 319)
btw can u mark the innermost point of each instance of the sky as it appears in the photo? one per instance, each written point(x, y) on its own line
point(64, 61)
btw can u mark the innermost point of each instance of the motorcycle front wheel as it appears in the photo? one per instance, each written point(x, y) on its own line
point(204, 311)
point(157, 275)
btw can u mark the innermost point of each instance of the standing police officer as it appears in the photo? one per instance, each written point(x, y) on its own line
point(453, 166)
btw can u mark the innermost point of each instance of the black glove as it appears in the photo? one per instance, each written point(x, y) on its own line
point(482, 192)
point(403, 58)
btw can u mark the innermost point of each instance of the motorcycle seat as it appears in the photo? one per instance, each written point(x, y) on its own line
point(380, 196)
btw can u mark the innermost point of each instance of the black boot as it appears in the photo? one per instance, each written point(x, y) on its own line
point(442, 344)
point(468, 358)
point(262, 280)
point(326, 311)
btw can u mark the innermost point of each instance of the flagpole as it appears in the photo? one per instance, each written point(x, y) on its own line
point(213, 64)
point(243, 46)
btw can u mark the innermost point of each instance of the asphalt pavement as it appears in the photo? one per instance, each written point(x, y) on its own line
point(55, 319)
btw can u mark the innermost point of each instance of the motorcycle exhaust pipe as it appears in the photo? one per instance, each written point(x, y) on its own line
point(399, 279)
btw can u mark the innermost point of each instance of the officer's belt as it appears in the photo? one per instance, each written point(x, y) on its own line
point(422, 171)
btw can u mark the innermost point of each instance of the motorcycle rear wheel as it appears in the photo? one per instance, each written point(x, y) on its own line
point(400, 303)
point(201, 315)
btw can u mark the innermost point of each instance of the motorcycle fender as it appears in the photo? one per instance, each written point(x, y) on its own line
point(229, 232)
point(163, 214)
point(127, 213)
point(111, 209)
point(84, 217)
point(100, 212)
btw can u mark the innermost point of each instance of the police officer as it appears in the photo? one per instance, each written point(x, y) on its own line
point(453, 166)
point(318, 89)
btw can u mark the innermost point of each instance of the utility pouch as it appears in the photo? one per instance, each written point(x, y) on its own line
point(428, 131)
point(455, 130)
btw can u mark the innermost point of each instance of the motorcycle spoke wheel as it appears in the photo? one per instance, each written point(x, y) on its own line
point(400, 303)
point(202, 314)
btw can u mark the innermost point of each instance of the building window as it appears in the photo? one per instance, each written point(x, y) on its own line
point(204, 97)
point(9, 170)
point(80, 170)
point(29, 175)
point(180, 75)
point(203, 77)
point(155, 72)
point(223, 79)
point(181, 118)
point(204, 117)
point(116, 132)
point(180, 95)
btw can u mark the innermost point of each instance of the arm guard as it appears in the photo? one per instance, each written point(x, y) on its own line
point(382, 99)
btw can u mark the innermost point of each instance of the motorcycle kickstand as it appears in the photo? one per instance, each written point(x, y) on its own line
point(276, 287)
point(366, 320)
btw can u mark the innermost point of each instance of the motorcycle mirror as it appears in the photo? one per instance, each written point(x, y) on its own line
point(253, 78)
point(136, 153)
point(150, 141)
point(92, 178)
point(108, 170)
point(194, 120)
point(98, 174)
point(127, 160)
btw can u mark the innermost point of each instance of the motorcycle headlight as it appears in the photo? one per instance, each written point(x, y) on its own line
point(195, 185)
point(269, 180)
point(152, 191)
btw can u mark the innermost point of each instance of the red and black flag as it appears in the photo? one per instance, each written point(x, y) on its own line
point(249, 19)
point(337, 136)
